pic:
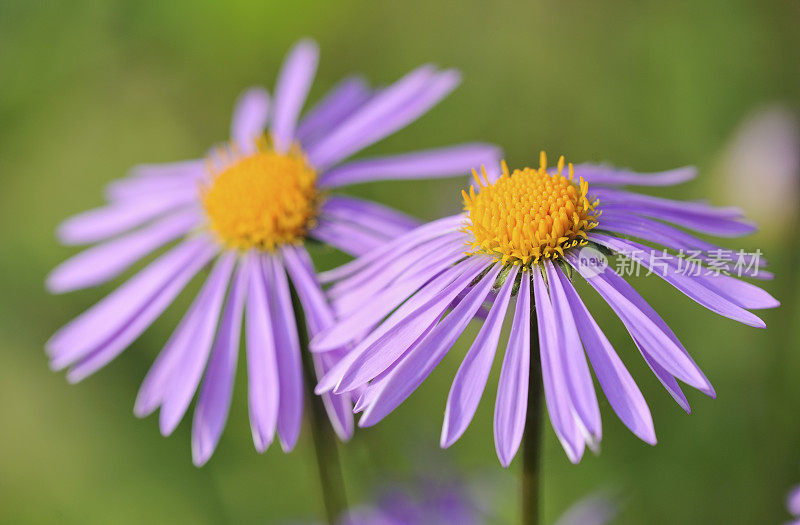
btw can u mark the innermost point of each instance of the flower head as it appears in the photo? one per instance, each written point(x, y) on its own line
point(247, 209)
point(526, 233)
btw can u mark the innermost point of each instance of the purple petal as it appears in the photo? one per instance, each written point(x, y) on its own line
point(186, 375)
point(598, 174)
point(511, 406)
point(318, 317)
point(557, 397)
point(383, 346)
point(694, 288)
point(262, 369)
point(666, 379)
point(376, 305)
point(100, 322)
point(372, 216)
point(671, 237)
point(287, 353)
point(347, 237)
point(89, 362)
point(703, 223)
point(616, 196)
point(250, 118)
point(440, 162)
point(645, 326)
point(348, 294)
point(470, 380)
point(420, 361)
point(103, 262)
point(576, 370)
point(402, 244)
point(214, 400)
point(344, 99)
point(101, 223)
point(385, 113)
point(148, 180)
point(291, 90)
point(619, 387)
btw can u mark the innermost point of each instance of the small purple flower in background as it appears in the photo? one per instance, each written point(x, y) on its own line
point(526, 233)
point(760, 168)
point(793, 505)
point(248, 208)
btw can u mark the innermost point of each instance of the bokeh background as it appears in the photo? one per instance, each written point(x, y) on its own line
point(88, 89)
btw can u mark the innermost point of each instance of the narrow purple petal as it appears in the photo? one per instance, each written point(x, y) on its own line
point(385, 345)
point(419, 362)
point(262, 369)
point(319, 317)
point(672, 237)
point(250, 118)
point(617, 196)
point(470, 380)
point(389, 110)
point(645, 326)
point(104, 319)
point(440, 162)
point(88, 362)
point(598, 174)
point(347, 237)
point(103, 262)
point(291, 90)
point(374, 306)
point(102, 223)
point(619, 387)
point(287, 353)
point(511, 406)
point(186, 375)
point(402, 244)
point(152, 179)
point(694, 288)
point(369, 215)
point(214, 400)
point(344, 99)
point(713, 225)
point(666, 379)
point(557, 397)
point(576, 370)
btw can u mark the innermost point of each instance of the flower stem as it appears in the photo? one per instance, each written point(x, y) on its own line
point(532, 439)
point(325, 441)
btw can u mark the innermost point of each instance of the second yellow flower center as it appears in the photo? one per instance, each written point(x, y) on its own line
point(264, 200)
point(529, 214)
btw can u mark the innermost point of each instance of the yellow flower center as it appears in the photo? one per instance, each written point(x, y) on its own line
point(529, 214)
point(263, 200)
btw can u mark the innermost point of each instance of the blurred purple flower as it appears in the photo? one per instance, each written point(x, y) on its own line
point(761, 168)
point(529, 231)
point(249, 207)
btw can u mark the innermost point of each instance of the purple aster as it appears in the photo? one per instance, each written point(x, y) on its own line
point(247, 210)
point(522, 238)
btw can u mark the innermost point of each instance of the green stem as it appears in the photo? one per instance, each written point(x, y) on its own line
point(532, 439)
point(325, 440)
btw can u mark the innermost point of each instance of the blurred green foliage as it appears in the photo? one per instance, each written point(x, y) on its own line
point(89, 89)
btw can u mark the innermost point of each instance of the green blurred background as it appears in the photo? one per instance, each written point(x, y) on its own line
point(88, 89)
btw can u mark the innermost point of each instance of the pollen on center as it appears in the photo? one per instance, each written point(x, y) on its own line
point(529, 214)
point(263, 200)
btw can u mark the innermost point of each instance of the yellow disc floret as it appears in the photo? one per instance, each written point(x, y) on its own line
point(263, 200)
point(529, 214)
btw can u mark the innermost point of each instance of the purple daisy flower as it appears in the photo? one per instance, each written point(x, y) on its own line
point(527, 233)
point(247, 208)
point(793, 504)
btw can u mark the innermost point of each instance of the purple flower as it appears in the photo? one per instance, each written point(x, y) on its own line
point(248, 208)
point(526, 234)
point(793, 504)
